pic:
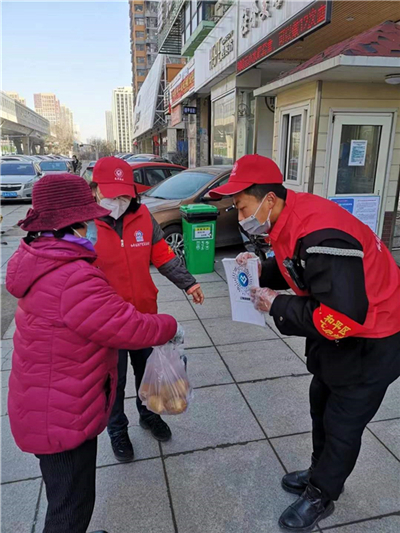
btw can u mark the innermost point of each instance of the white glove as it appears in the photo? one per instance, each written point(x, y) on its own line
point(242, 259)
point(179, 336)
point(263, 298)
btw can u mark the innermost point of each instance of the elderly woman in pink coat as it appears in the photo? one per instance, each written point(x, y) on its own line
point(69, 325)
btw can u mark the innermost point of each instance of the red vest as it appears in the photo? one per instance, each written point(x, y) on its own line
point(305, 213)
point(126, 262)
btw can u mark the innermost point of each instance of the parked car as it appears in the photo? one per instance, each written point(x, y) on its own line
point(53, 167)
point(88, 172)
point(148, 175)
point(17, 179)
point(149, 158)
point(14, 158)
point(190, 187)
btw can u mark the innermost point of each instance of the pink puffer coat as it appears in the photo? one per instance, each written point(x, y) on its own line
point(70, 323)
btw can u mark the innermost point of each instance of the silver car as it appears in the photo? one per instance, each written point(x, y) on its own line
point(53, 167)
point(17, 179)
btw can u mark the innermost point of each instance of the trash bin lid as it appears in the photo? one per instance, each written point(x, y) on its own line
point(198, 209)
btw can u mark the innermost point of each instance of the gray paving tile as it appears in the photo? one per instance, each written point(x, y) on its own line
point(18, 505)
point(270, 322)
point(130, 389)
point(195, 336)
point(4, 398)
point(6, 348)
point(170, 293)
point(227, 490)
point(160, 280)
point(9, 334)
point(181, 310)
point(281, 405)
point(143, 443)
point(388, 432)
point(390, 404)
point(205, 278)
point(215, 289)
point(205, 367)
point(214, 308)
point(15, 464)
point(298, 345)
point(388, 524)
point(262, 359)
point(362, 498)
point(225, 331)
point(130, 498)
point(5, 376)
point(217, 415)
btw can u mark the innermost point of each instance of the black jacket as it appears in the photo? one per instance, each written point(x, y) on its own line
point(338, 282)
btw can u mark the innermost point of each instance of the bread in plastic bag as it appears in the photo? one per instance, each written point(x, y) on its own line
point(165, 388)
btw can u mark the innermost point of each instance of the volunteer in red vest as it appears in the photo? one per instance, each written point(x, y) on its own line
point(346, 304)
point(129, 240)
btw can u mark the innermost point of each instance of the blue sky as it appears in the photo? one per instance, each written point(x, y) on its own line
point(78, 50)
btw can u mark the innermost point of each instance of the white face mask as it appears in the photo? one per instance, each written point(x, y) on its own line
point(253, 227)
point(117, 206)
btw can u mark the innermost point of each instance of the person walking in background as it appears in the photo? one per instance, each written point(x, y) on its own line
point(69, 324)
point(129, 240)
point(346, 304)
point(76, 165)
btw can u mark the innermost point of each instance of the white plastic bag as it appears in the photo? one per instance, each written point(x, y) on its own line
point(165, 388)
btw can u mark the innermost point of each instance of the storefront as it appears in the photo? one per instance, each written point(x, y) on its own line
point(337, 125)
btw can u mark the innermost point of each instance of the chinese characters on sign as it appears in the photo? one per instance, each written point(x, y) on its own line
point(222, 48)
point(184, 87)
point(334, 328)
point(259, 10)
point(189, 110)
point(306, 21)
point(358, 153)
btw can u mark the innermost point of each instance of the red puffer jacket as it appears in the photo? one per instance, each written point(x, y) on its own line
point(70, 323)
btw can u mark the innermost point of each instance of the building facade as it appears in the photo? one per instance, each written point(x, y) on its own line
point(66, 120)
point(122, 117)
point(16, 96)
point(144, 46)
point(47, 105)
point(109, 127)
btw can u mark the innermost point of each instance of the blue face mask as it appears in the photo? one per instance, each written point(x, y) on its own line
point(91, 232)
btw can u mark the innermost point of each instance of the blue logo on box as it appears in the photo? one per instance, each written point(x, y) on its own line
point(243, 279)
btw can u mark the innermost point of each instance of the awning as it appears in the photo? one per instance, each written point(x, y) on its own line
point(367, 57)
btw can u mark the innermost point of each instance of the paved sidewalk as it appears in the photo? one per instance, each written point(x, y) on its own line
point(247, 425)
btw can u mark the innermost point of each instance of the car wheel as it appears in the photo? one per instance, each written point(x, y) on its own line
point(174, 237)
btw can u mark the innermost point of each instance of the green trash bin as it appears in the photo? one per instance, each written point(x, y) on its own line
point(199, 221)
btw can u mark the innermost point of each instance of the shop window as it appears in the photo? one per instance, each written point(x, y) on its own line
point(223, 130)
point(293, 134)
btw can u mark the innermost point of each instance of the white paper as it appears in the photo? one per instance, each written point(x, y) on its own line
point(358, 153)
point(240, 279)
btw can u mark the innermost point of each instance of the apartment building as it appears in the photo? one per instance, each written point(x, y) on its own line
point(109, 127)
point(144, 47)
point(16, 96)
point(48, 106)
point(122, 118)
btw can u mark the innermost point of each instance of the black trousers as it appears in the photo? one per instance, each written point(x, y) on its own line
point(70, 480)
point(340, 414)
point(118, 421)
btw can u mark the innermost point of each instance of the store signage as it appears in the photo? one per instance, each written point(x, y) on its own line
point(176, 115)
point(313, 16)
point(222, 48)
point(189, 110)
point(183, 84)
point(258, 11)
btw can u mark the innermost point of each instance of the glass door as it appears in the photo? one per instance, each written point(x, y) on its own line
point(359, 157)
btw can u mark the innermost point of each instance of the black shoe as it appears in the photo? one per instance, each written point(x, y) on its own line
point(159, 429)
point(305, 513)
point(122, 447)
point(296, 482)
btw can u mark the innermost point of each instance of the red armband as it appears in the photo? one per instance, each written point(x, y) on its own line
point(334, 325)
point(161, 253)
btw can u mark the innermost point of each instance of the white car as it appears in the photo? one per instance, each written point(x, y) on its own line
point(17, 179)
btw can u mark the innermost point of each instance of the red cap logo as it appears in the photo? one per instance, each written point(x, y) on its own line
point(119, 174)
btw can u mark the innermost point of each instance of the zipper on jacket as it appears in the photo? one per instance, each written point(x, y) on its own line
point(122, 243)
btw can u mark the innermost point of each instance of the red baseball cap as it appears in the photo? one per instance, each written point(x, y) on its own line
point(115, 177)
point(247, 171)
